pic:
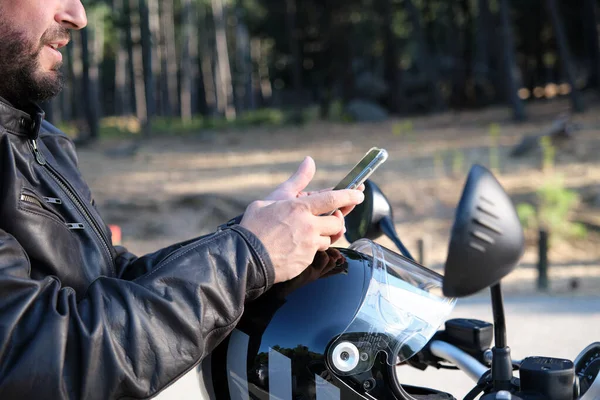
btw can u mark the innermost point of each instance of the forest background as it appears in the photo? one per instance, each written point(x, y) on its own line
point(184, 65)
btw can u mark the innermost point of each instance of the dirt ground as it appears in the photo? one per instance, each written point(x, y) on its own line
point(171, 189)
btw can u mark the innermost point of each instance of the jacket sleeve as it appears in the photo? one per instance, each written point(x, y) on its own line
point(128, 267)
point(124, 338)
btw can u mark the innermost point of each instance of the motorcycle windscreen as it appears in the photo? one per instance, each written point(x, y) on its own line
point(403, 308)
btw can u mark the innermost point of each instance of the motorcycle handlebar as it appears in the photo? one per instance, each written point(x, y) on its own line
point(473, 368)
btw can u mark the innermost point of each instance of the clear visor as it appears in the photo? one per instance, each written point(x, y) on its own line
point(403, 308)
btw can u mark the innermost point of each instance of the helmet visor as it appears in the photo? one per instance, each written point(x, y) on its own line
point(402, 309)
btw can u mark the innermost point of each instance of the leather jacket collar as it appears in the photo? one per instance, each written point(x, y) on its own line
point(20, 122)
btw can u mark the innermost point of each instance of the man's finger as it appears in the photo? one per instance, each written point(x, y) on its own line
point(330, 225)
point(346, 210)
point(302, 177)
point(324, 243)
point(338, 235)
point(325, 202)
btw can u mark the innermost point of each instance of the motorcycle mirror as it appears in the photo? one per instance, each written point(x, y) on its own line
point(365, 220)
point(487, 239)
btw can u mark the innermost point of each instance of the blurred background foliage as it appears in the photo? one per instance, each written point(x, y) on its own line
point(181, 66)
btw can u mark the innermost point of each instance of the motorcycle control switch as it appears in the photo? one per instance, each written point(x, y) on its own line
point(552, 378)
point(470, 335)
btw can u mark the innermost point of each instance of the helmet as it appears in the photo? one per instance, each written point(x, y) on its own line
point(337, 331)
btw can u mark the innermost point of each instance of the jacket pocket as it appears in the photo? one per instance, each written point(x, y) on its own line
point(31, 202)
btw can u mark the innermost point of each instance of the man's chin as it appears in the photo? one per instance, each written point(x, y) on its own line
point(46, 86)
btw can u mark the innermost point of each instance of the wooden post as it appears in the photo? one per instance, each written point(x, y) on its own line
point(543, 260)
point(422, 250)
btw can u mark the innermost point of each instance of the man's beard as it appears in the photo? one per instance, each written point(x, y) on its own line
point(21, 78)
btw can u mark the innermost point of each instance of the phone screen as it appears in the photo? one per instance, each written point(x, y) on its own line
point(371, 160)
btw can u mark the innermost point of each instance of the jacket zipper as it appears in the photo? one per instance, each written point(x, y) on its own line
point(34, 200)
point(64, 185)
point(31, 199)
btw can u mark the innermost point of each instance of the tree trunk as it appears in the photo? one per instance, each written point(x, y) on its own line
point(70, 91)
point(196, 76)
point(157, 87)
point(243, 89)
point(141, 103)
point(206, 59)
point(481, 69)
point(255, 77)
point(147, 60)
point(565, 55)
point(294, 45)
point(465, 83)
point(131, 28)
point(77, 67)
point(186, 62)
point(391, 57)
point(590, 20)
point(224, 84)
point(266, 89)
point(90, 81)
point(168, 58)
point(540, 47)
point(513, 80)
point(424, 59)
point(329, 73)
point(96, 64)
point(122, 96)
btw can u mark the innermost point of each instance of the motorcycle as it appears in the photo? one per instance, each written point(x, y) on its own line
point(341, 329)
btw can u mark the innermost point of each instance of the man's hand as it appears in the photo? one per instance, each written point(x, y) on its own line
point(289, 224)
point(293, 230)
point(294, 187)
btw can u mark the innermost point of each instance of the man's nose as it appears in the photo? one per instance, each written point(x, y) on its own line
point(71, 14)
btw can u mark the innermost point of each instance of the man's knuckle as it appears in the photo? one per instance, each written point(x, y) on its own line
point(300, 206)
point(330, 199)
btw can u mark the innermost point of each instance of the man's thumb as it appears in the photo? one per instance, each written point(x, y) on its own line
point(302, 177)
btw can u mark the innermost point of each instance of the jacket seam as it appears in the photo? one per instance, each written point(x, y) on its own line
point(170, 260)
point(27, 258)
point(161, 264)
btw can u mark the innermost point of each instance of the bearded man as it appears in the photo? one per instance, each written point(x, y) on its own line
point(81, 318)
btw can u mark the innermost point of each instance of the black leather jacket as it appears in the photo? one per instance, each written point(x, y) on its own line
point(82, 319)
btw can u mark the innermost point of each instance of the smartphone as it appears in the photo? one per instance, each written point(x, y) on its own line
point(362, 170)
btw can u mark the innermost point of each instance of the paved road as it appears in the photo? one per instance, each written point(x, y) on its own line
point(557, 326)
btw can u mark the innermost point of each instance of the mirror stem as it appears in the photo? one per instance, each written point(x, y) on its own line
point(499, 320)
point(502, 370)
point(387, 227)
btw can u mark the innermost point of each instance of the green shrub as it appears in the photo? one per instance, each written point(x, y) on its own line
point(548, 154)
point(552, 211)
point(404, 128)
